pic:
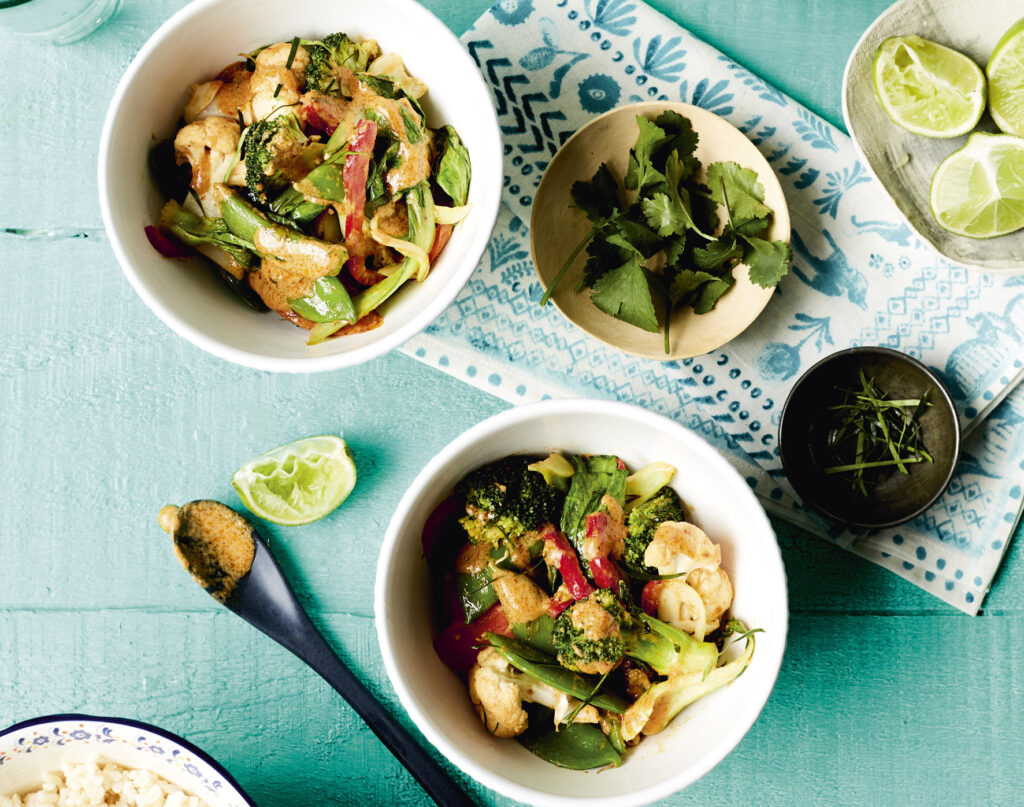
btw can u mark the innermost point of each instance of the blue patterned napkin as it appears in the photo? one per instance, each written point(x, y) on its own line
point(859, 277)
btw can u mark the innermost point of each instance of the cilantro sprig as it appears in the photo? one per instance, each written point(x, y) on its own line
point(660, 243)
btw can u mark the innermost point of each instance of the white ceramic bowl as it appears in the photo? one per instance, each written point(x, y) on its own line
point(194, 45)
point(720, 502)
point(30, 749)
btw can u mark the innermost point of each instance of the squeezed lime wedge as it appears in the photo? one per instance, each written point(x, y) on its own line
point(927, 88)
point(978, 191)
point(297, 483)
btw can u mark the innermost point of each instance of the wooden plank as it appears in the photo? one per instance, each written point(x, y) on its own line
point(866, 710)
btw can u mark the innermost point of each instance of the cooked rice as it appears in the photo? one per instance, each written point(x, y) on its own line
point(101, 784)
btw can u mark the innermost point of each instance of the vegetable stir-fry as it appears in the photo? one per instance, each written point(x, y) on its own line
point(308, 175)
point(581, 607)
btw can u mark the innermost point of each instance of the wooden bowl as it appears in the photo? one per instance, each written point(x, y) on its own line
point(557, 226)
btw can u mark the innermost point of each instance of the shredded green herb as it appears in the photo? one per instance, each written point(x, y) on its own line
point(875, 436)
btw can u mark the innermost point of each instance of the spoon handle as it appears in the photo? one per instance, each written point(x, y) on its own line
point(315, 651)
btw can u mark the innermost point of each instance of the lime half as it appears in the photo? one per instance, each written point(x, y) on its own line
point(1005, 73)
point(927, 88)
point(978, 191)
point(299, 482)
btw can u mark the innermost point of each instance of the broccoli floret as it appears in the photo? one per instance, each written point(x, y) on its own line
point(332, 52)
point(643, 522)
point(506, 499)
point(594, 634)
point(271, 146)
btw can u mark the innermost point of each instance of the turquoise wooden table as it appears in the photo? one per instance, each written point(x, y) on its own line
point(886, 695)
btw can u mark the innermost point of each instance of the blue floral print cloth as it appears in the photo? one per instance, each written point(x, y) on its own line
point(859, 277)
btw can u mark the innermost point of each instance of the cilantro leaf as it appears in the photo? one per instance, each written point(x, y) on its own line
point(602, 257)
point(751, 227)
point(664, 216)
point(624, 294)
point(641, 171)
point(738, 189)
point(680, 139)
point(768, 261)
point(710, 294)
point(674, 249)
point(686, 282)
point(669, 213)
point(598, 198)
point(633, 229)
point(717, 253)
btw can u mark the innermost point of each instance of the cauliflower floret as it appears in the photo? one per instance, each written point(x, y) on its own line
point(277, 56)
point(276, 89)
point(208, 145)
point(679, 547)
point(696, 601)
point(498, 691)
point(392, 66)
point(224, 97)
point(715, 590)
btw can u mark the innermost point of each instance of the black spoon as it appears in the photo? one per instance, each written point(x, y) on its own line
point(226, 556)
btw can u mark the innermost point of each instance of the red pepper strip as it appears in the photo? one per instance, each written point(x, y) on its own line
point(569, 565)
point(441, 236)
point(650, 596)
point(458, 645)
point(555, 607)
point(355, 172)
point(313, 119)
point(620, 464)
point(166, 245)
point(596, 524)
point(605, 573)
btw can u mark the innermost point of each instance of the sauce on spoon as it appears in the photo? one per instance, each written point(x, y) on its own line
point(213, 542)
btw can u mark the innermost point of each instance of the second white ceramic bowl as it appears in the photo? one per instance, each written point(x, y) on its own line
point(719, 501)
point(194, 45)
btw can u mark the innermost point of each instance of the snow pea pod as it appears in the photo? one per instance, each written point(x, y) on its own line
point(537, 634)
point(546, 668)
point(329, 302)
point(578, 746)
point(476, 592)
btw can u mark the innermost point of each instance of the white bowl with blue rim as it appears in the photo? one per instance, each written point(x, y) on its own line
point(35, 747)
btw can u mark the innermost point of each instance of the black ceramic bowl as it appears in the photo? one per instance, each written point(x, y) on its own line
point(807, 421)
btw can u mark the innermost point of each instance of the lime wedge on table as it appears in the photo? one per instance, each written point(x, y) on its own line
point(927, 88)
point(978, 191)
point(299, 482)
point(1005, 73)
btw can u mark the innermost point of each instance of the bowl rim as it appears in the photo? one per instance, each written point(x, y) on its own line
point(907, 359)
point(136, 724)
point(492, 156)
point(629, 413)
point(781, 216)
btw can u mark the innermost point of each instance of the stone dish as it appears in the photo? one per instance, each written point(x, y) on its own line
point(806, 422)
point(557, 226)
point(904, 162)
